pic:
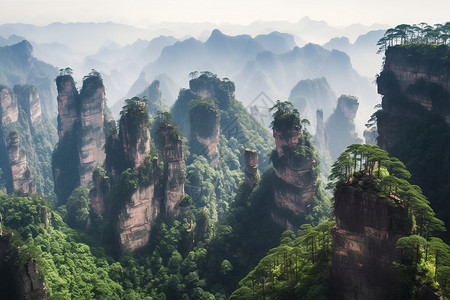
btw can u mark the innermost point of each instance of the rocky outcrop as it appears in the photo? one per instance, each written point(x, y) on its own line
point(297, 182)
point(99, 191)
point(363, 249)
point(413, 124)
point(8, 103)
point(92, 141)
point(21, 175)
point(29, 99)
point(27, 280)
point(81, 131)
point(340, 128)
point(173, 169)
point(251, 173)
point(205, 128)
point(68, 105)
point(138, 213)
point(136, 219)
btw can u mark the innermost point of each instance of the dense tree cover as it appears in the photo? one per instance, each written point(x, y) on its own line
point(216, 187)
point(416, 33)
point(375, 171)
point(297, 269)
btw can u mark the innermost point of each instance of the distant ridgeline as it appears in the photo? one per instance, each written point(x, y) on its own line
point(414, 120)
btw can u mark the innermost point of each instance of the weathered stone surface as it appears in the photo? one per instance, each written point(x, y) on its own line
point(29, 99)
point(251, 168)
point(367, 229)
point(68, 105)
point(136, 219)
point(21, 175)
point(173, 170)
point(28, 283)
point(8, 103)
point(91, 145)
point(297, 183)
point(320, 138)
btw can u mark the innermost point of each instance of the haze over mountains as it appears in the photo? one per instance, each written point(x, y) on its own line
point(271, 57)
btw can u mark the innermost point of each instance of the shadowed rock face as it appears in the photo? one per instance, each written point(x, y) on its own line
point(28, 97)
point(21, 175)
point(68, 105)
point(92, 142)
point(297, 183)
point(28, 283)
point(8, 104)
point(367, 229)
point(251, 168)
point(173, 170)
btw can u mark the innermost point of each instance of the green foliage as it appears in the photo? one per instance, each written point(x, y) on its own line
point(416, 33)
point(78, 207)
point(297, 269)
point(285, 117)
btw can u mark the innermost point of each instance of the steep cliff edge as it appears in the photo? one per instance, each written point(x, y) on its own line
point(251, 173)
point(364, 244)
point(413, 123)
point(9, 109)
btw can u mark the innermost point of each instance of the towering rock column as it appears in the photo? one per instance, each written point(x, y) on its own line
point(319, 138)
point(92, 142)
point(296, 171)
point(8, 102)
point(173, 169)
point(138, 213)
point(21, 175)
point(68, 105)
point(28, 97)
point(251, 168)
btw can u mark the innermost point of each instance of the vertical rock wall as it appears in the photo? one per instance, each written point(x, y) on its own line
point(251, 168)
point(363, 248)
point(21, 174)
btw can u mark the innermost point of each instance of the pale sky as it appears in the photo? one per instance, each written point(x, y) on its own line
point(142, 13)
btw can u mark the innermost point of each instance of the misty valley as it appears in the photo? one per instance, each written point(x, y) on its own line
point(294, 163)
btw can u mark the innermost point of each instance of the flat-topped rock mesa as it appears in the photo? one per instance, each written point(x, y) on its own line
point(364, 244)
point(340, 128)
point(22, 178)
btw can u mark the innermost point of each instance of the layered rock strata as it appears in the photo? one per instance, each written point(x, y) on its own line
point(297, 183)
point(21, 175)
point(363, 249)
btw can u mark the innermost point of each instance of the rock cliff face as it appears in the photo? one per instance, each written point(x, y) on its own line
point(81, 131)
point(173, 170)
point(28, 97)
point(319, 137)
point(28, 282)
point(251, 168)
point(137, 214)
point(297, 183)
point(21, 174)
point(415, 114)
point(92, 142)
point(9, 108)
point(363, 248)
point(340, 127)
